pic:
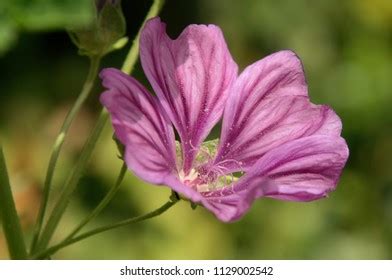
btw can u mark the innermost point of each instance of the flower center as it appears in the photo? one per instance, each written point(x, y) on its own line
point(193, 180)
point(204, 180)
point(203, 177)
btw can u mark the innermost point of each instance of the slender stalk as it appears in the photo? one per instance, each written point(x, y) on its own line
point(71, 183)
point(87, 87)
point(126, 222)
point(133, 53)
point(109, 196)
point(9, 217)
point(86, 153)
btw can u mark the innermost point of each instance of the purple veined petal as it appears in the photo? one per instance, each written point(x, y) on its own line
point(268, 106)
point(277, 121)
point(191, 76)
point(229, 204)
point(140, 125)
point(301, 170)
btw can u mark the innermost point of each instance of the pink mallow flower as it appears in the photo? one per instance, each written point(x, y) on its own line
point(274, 142)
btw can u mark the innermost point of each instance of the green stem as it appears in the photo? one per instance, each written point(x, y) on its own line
point(109, 196)
point(87, 87)
point(133, 53)
point(71, 183)
point(126, 222)
point(9, 217)
point(86, 153)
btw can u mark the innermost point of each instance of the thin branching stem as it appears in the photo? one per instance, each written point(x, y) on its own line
point(87, 87)
point(50, 251)
point(86, 153)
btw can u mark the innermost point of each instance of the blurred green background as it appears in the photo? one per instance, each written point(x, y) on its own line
point(346, 49)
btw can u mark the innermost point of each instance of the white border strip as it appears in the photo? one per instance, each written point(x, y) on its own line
point(252, 269)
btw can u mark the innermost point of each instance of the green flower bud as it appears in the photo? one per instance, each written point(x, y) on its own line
point(106, 32)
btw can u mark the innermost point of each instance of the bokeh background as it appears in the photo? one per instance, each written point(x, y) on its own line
point(346, 49)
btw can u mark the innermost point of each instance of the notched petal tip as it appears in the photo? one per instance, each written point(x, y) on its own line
point(156, 26)
point(152, 27)
point(191, 76)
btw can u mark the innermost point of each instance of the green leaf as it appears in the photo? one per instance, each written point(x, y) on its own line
point(51, 14)
point(41, 15)
point(8, 34)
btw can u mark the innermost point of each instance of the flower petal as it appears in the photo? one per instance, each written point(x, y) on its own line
point(268, 106)
point(186, 191)
point(301, 170)
point(229, 204)
point(191, 76)
point(140, 125)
